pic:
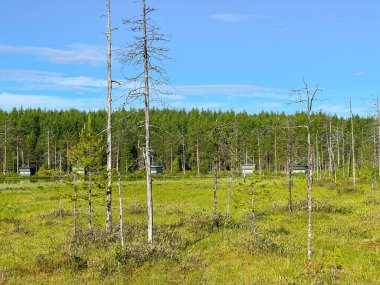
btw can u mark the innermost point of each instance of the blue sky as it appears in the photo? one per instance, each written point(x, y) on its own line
point(240, 55)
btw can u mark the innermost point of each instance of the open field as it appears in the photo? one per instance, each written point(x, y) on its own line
point(191, 245)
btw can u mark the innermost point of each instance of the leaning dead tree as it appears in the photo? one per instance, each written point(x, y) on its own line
point(109, 122)
point(145, 54)
point(308, 95)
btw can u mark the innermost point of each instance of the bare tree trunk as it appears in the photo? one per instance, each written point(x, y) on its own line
point(147, 130)
point(109, 123)
point(55, 155)
point(198, 158)
point(374, 161)
point(215, 188)
point(317, 154)
point(67, 158)
point(75, 208)
point(229, 193)
point(171, 159)
point(120, 209)
point(17, 156)
point(118, 154)
point(5, 150)
point(332, 154)
point(90, 206)
point(48, 149)
point(288, 166)
point(253, 210)
point(60, 162)
point(183, 153)
point(343, 156)
point(275, 152)
point(259, 149)
point(338, 147)
point(309, 185)
point(378, 133)
point(353, 147)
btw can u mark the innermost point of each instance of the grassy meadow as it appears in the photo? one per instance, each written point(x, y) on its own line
point(191, 245)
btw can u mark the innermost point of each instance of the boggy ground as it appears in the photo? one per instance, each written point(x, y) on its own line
point(191, 245)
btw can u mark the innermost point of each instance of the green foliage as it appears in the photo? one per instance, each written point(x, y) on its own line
point(89, 152)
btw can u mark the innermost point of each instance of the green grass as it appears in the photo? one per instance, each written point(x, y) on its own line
point(191, 245)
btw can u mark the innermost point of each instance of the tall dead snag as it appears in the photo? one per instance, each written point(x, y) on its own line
point(352, 148)
point(307, 95)
point(5, 150)
point(143, 54)
point(288, 165)
point(109, 123)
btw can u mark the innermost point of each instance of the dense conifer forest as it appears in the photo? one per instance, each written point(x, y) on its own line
point(188, 140)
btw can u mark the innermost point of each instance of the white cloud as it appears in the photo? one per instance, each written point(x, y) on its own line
point(43, 80)
point(231, 18)
point(10, 100)
point(360, 73)
point(75, 53)
point(221, 89)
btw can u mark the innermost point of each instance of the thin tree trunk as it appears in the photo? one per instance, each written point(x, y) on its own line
point(215, 188)
point(353, 148)
point(147, 130)
point(67, 158)
point(253, 210)
point(48, 149)
point(309, 186)
point(259, 149)
point(343, 156)
point(17, 157)
point(109, 124)
point(288, 166)
point(374, 161)
point(275, 152)
point(120, 210)
point(90, 206)
point(183, 153)
point(198, 158)
point(75, 208)
point(55, 155)
point(229, 193)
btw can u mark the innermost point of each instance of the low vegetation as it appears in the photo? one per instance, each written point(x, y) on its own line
point(191, 244)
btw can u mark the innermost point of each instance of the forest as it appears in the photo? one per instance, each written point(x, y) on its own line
point(187, 141)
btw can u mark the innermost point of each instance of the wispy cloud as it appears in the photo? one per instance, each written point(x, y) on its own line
point(231, 90)
point(11, 100)
point(74, 54)
point(232, 18)
point(43, 80)
point(360, 73)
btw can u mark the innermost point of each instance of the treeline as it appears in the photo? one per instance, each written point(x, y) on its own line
point(195, 140)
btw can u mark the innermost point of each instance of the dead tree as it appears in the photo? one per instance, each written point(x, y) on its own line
point(145, 54)
point(308, 95)
point(352, 148)
point(288, 165)
point(48, 148)
point(5, 149)
point(109, 123)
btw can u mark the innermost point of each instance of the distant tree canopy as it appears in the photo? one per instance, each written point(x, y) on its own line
point(180, 138)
